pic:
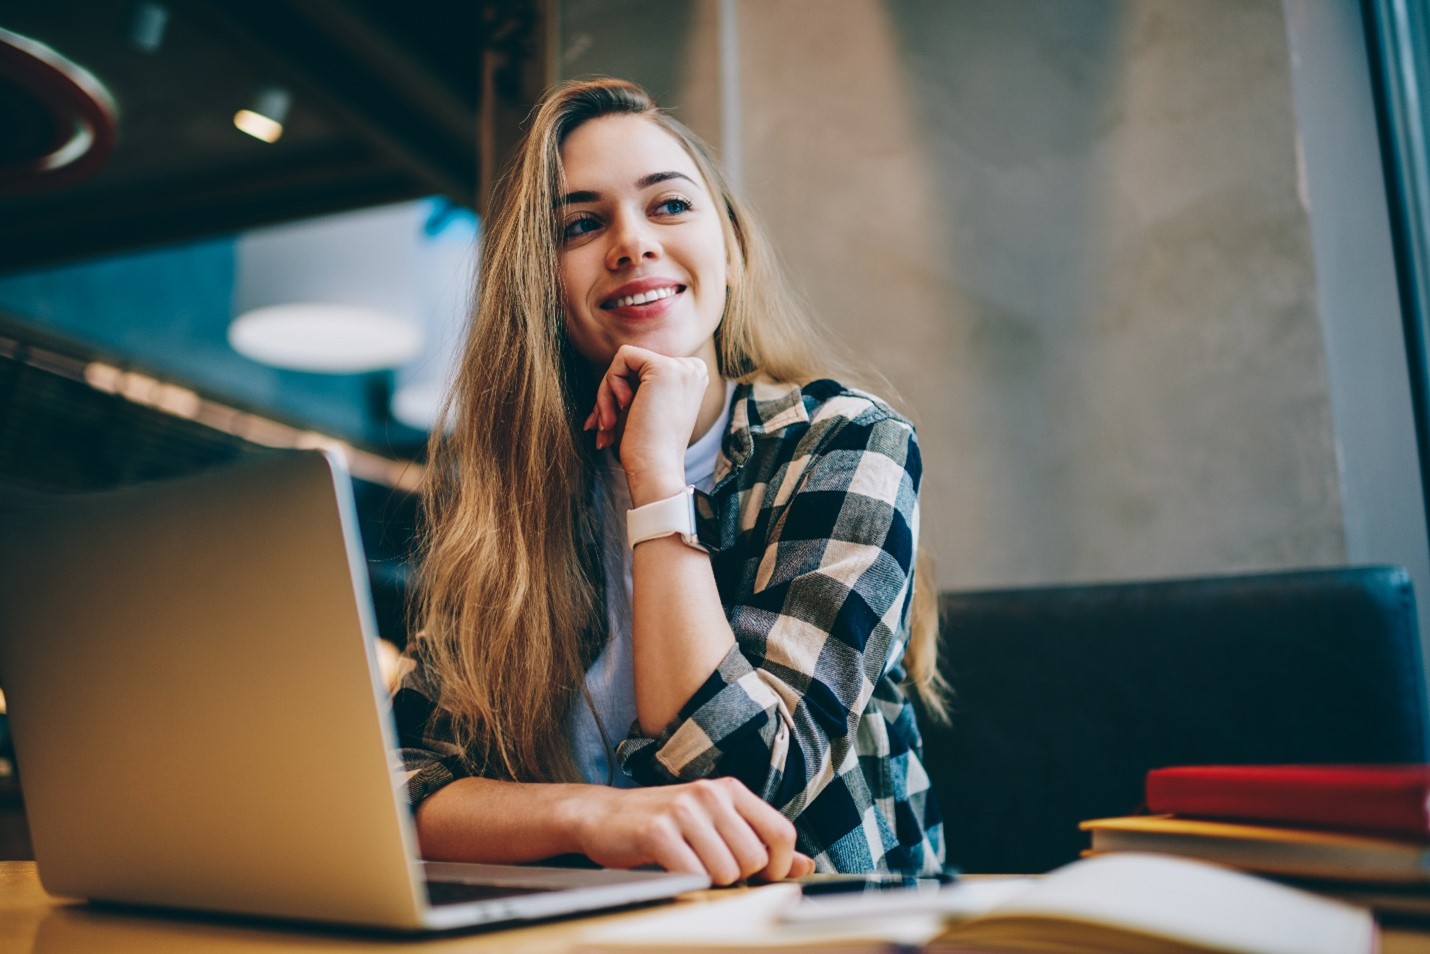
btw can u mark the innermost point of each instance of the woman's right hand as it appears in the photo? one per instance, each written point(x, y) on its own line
point(653, 401)
point(716, 827)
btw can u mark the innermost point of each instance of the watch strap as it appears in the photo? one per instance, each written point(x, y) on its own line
point(673, 515)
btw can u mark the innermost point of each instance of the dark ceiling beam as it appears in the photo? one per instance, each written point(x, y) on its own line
point(518, 63)
point(322, 69)
point(403, 67)
point(332, 179)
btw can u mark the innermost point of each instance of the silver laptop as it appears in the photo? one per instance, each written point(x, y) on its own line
point(200, 723)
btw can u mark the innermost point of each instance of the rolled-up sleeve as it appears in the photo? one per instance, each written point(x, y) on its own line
point(823, 621)
point(426, 757)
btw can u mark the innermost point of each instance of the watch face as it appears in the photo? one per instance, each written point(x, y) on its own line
point(707, 530)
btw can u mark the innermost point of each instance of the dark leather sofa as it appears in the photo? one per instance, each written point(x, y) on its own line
point(1064, 696)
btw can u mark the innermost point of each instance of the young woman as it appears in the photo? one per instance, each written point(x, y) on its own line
point(594, 674)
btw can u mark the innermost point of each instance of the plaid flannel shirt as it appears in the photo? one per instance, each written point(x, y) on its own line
point(814, 535)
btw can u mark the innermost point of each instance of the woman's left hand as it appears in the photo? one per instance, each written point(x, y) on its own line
point(652, 401)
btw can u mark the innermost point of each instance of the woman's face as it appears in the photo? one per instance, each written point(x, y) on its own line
point(642, 252)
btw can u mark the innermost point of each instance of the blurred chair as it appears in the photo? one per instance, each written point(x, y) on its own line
point(1063, 697)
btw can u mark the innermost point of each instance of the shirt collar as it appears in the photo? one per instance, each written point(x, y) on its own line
point(760, 408)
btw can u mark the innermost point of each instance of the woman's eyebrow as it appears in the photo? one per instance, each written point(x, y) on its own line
point(650, 180)
point(573, 198)
point(644, 182)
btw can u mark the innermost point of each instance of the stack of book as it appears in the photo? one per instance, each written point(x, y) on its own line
point(1361, 832)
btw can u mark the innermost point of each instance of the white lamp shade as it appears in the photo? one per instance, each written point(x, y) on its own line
point(336, 339)
point(340, 294)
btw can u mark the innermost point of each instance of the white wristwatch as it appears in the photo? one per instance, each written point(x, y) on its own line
point(673, 515)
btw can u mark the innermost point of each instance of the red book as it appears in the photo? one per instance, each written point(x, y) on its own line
point(1384, 799)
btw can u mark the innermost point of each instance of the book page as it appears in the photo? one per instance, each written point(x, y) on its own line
point(735, 921)
point(1200, 905)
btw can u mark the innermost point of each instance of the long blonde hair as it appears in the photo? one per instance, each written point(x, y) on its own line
point(510, 606)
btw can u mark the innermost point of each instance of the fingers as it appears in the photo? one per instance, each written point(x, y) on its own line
point(715, 827)
point(684, 836)
point(749, 852)
point(669, 849)
point(775, 832)
point(614, 393)
point(725, 860)
point(606, 413)
point(703, 827)
point(755, 837)
point(681, 381)
point(617, 387)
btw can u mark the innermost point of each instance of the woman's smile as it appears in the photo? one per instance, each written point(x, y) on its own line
point(643, 299)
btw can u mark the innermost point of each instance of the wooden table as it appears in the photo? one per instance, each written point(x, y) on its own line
point(33, 921)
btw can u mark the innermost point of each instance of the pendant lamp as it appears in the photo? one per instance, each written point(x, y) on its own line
point(336, 295)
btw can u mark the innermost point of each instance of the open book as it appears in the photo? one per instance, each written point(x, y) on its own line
point(1139, 903)
point(1116, 904)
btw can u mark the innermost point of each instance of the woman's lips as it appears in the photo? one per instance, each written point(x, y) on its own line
point(642, 298)
point(648, 302)
point(642, 292)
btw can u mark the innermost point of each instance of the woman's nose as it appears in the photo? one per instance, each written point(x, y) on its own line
point(631, 241)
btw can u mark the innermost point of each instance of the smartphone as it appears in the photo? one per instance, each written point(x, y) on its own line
point(844, 885)
point(845, 896)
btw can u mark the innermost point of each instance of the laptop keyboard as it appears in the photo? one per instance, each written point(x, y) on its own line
point(463, 892)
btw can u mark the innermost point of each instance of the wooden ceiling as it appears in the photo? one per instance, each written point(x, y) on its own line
point(386, 98)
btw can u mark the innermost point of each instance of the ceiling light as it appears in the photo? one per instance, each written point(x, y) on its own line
point(329, 338)
point(337, 294)
point(146, 29)
point(265, 120)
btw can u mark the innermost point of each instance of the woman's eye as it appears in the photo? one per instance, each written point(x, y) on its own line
point(673, 206)
point(578, 227)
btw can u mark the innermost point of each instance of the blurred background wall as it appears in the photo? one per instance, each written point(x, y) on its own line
point(1073, 234)
point(1126, 262)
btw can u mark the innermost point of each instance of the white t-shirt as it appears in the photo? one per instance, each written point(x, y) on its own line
point(611, 679)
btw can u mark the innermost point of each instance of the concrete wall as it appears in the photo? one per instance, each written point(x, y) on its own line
point(1069, 230)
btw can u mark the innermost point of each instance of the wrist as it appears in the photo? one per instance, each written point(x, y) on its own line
point(578, 808)
point(646, 488)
